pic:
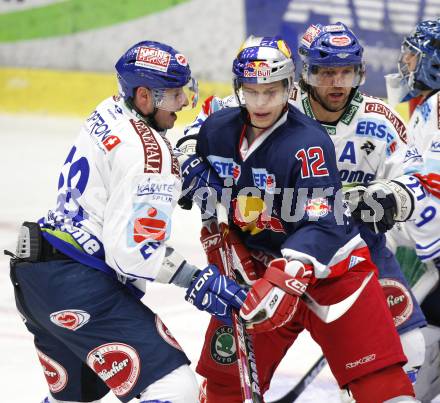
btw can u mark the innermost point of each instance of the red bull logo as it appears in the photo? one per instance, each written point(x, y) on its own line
point(257, 69)
point(251, 214)
point(318, 207)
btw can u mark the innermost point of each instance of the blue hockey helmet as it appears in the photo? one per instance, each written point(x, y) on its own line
point(263, 60)
point(331, 46)
point(423, 44)
point(153, 65)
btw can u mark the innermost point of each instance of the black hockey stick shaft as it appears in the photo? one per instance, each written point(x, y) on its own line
point(247, 366)
point(302, 384)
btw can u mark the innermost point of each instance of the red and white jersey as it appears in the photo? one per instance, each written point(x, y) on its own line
point(422, 169)
point(116, 193)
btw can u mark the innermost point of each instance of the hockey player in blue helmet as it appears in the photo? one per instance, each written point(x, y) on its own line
point(332, 58)
point(155, 81)
point(80, 272)
point(369, 138)
point(419, 64)
point(419, 77)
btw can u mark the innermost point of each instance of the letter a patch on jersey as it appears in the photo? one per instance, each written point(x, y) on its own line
point(348, 153)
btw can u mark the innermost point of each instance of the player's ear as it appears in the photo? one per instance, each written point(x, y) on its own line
point(143, 100)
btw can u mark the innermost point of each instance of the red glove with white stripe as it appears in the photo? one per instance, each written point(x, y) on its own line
point(273, 300)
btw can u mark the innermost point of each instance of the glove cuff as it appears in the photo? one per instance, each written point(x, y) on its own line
point(404, 198)
point(175, 269)
point(291, 285)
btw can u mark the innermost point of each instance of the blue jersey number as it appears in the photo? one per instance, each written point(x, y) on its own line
point(71, 185)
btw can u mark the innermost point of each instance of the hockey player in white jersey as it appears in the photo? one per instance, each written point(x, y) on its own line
point(79, 273)
point(419, 76)
point(369, 139)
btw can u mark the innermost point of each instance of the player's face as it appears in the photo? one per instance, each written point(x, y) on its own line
point(264, 102)
point(410, 59)
point(173, 100)
point(165, 119)
point(331, 86)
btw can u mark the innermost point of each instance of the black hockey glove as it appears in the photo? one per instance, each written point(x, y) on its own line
point(381, 204)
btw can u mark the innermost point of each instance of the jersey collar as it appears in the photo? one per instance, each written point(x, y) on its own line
point(346, 117)
point(246, 149)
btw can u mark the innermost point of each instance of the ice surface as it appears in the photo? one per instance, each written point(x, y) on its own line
point(32, 150)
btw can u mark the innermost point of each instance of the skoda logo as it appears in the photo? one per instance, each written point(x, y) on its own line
point(223, 349)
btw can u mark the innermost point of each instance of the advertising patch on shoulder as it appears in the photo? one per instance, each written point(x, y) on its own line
point(55, 373)
point(111, 142)
point(399, 126)
point(263, 180)
point(153, 58)
point(117, 364)
point(223, 349)
point(225, 167)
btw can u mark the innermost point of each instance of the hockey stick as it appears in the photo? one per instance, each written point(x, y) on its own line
point(327, 313)
point(302, 384)
point(247, 366)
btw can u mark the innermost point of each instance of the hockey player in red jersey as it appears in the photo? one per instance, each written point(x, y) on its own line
point(290, 235)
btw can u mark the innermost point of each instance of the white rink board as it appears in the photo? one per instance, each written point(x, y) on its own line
point(32, 151)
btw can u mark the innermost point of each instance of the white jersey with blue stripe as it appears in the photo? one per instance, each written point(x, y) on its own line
point(116, 193)
point(422, 157)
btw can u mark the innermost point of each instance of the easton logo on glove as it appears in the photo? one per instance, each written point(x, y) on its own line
point(198, 285)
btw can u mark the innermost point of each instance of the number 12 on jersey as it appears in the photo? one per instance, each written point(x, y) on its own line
point(312, 162)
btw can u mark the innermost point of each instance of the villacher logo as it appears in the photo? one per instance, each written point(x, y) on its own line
point(117, 364)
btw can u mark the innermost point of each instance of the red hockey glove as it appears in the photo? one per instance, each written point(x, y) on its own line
point(242, 260)
point(273, 300)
